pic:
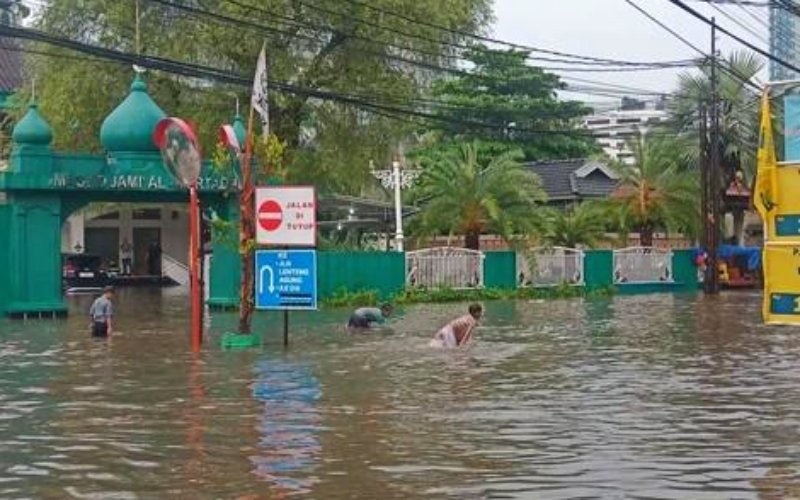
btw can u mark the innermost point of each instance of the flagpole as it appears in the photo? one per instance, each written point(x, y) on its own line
point(246, 231)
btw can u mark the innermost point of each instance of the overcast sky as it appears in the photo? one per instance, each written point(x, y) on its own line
point(614, 29)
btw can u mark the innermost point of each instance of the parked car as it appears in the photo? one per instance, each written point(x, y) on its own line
point(81, 270)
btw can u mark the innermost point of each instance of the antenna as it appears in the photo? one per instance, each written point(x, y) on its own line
point(138, 30)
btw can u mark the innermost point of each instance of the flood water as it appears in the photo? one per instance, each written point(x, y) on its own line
point(654, 396)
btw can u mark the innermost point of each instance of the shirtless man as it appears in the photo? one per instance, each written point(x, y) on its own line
point(459, 331)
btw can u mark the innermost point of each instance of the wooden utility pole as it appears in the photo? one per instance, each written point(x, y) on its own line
point(712, 208)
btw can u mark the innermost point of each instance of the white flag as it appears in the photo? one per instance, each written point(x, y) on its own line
point(260, 89)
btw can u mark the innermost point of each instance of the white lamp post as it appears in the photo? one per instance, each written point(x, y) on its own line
point(397, 179)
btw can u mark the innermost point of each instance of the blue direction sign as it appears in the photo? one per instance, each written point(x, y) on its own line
point(286, 279)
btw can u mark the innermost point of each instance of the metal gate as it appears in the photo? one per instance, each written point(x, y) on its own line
point(642, 265)
point(550, 266)
point(445, 267)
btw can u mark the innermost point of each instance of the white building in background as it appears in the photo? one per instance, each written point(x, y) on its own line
point(613, 129)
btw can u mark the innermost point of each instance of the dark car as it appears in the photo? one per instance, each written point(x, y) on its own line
point(81, 270)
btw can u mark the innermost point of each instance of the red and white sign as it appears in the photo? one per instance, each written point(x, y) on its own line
point(286, 216)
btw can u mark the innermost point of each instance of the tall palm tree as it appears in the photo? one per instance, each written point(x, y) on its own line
point(656, 190)
point(583, 224)
point(470, 197)
point(738, 118)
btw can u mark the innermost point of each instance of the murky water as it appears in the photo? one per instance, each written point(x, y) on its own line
point(636, 397)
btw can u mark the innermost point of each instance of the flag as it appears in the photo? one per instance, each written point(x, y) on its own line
point(766, 176)
point(259, 100)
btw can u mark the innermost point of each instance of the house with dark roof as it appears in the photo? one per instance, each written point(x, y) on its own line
point(572, 181)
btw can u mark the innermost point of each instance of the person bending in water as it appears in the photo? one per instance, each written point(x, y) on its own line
point(365, 318)
point(459, 331)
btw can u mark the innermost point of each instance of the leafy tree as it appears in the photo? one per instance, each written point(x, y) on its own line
point(583, 224)
point(517, 101)
point(468, 197)
point(656, 190)
point(326, 45)
point(738, 118)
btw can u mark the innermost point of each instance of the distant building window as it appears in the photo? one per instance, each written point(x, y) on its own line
point(603, 134)
point(629, 120)
point(147, 214)
point(605, 121)
point(108, 216)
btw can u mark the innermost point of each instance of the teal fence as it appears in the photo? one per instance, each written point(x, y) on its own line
point(384, 273)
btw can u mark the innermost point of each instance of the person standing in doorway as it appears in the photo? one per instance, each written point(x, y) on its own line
point(154, 259)
point(126, 253)
point(101, 312)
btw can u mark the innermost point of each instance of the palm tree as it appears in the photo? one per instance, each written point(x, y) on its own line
point(470, 197)
point(738, 118)
point(583, 224)
point(656, 190)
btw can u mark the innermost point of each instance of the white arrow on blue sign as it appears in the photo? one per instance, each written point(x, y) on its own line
point(286, 279)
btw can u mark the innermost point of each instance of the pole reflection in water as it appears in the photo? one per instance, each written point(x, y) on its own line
point(288, 426)
point(195, 432)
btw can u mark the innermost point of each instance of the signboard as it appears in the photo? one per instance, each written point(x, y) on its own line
point(286, 279)
point(286, 216)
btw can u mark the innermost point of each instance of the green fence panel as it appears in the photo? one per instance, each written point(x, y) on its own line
point(598, 269)
point(383, 272)
point(500, 270)
point(5, 259)
point(684, 272)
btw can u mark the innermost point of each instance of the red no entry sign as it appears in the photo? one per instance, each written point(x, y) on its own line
point(287, 216)
point(270, 215)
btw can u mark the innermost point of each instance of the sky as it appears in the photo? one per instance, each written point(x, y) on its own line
point(614, 29)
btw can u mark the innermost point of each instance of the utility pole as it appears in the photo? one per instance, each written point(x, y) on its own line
point(712, 209)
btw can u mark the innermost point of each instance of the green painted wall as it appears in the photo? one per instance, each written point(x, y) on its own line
point(598, 269)
point(684, 271)
point(225, 266)
point(5, 257)
point(35, 255)
point(383, 272)
point(500, 270)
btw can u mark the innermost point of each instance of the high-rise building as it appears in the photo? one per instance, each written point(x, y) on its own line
point(784, 30)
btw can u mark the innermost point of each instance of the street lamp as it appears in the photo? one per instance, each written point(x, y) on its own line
point(397, 179)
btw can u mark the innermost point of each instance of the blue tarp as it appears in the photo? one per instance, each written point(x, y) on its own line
point(753, 254)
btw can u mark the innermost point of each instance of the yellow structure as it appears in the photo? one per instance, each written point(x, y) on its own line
point(777, 199)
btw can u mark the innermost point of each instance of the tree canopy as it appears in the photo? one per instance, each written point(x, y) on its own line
point(354, 49)
point(520, 104)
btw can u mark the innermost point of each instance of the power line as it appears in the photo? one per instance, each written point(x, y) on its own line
point(739, 39)
point(485, 39)
point(216, 74)
point(730, 70)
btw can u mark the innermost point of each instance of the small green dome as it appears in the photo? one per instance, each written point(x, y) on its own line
point(130, 126)
point(239, 130)
point(32, 130)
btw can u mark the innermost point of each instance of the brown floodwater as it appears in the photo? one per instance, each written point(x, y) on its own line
point(655, 396)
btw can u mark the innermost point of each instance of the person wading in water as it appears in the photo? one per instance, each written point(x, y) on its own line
point(101, 312)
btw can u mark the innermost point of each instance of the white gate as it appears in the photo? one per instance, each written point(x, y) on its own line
point(550, 266)
point(445, 267)
point(642, 265)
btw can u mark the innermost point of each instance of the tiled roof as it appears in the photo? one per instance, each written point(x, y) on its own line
point(10, 65)
point(574, 179)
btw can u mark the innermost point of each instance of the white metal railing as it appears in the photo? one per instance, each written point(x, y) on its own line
point(444, 267)
point(174, 270)
point(550, 266)
point(642, 265)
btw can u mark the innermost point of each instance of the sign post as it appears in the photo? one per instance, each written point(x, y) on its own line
point(286, 279)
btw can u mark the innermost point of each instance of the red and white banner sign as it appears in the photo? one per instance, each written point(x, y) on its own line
point(286, 216)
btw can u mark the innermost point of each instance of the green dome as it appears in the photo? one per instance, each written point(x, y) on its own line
point(239, 130)
point(32, 130)
point(130, 127)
